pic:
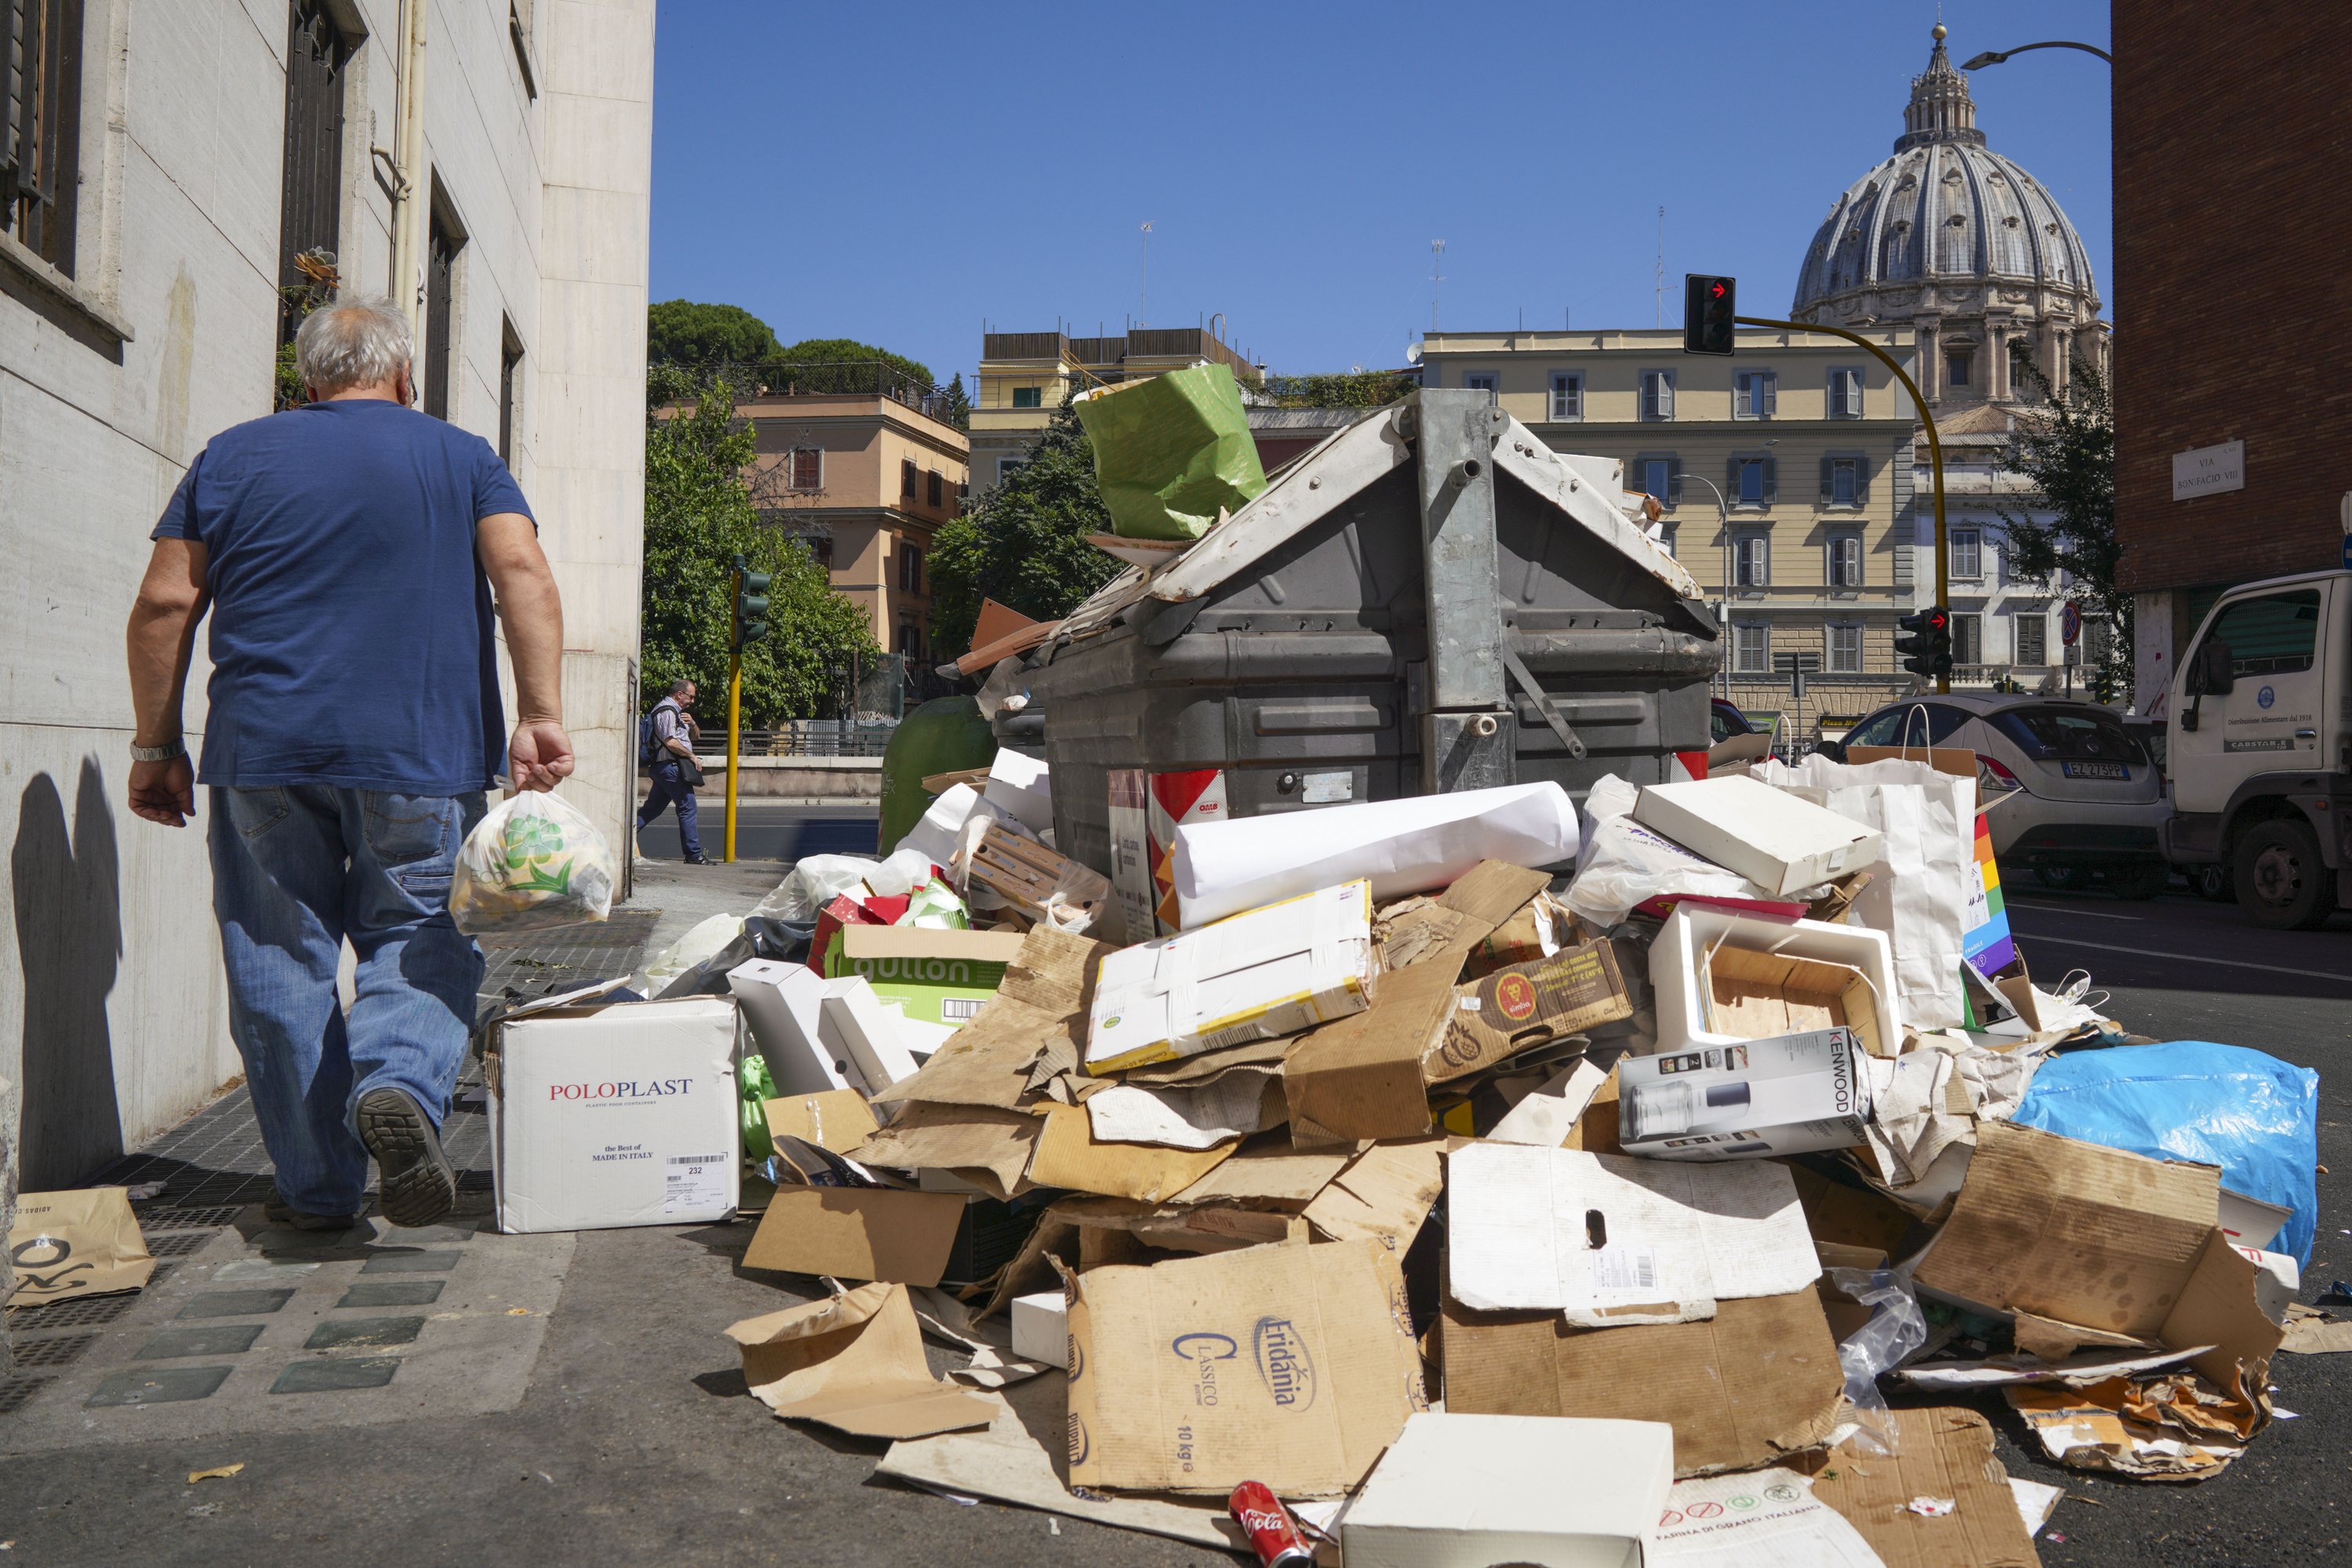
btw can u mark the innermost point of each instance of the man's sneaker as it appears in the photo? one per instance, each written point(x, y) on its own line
point(701, 860)
point(416, 1187)
point(277, 1211)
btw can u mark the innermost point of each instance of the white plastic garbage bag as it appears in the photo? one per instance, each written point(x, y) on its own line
point(533, 861)
point(815, 882)
point(1624, 865)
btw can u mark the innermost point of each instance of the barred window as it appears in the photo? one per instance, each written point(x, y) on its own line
point(40, 137)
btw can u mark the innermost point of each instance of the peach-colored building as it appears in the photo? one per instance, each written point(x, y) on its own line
point(867, 478)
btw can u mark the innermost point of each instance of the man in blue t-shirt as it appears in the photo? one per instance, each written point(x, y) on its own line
point(348, 551)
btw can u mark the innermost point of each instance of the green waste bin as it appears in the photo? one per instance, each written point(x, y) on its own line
point(1170, 452)
point(945, 735)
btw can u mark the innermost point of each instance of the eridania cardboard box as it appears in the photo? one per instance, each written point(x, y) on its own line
point(1255, 976)
point(614, 1115)
point(936, 976)
point(1791, 1095)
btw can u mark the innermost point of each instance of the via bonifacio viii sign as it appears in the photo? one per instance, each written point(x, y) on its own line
point(2208, 470)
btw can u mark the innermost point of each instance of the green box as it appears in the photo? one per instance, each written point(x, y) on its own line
point(936, 976)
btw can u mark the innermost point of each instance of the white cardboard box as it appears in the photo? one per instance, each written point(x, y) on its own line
point(1769, 836)
point(1468, 1491)
point(1020, 787)
point(1792, 1094)
point(784, 1003)
point(1255, 976)
point(616, 1115)
point(1041, 1328)
point(852, 1023)
point(1679, 959)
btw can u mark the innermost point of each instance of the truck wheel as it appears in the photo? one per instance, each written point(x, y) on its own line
point(2282, 883)
point(2138, 881)
point(2061, 876)
point(2214, 883)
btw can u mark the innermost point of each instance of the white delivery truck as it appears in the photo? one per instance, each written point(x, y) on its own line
point(2260, 747)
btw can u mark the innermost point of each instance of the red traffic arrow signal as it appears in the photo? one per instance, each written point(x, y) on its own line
point(1708, 310)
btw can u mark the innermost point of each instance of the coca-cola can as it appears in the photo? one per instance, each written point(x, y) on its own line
point(1271, 1529)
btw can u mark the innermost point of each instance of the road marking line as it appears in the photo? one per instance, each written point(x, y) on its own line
point(2190, 957)
point(2070, 910)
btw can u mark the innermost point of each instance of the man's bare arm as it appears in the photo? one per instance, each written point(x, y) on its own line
point(160, 641)
point(539, 754)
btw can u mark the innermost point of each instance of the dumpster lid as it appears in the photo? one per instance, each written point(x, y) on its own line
point(1341, 467)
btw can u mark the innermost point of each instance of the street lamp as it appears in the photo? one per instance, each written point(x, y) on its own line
point(1723, 605)
point(1994, 57)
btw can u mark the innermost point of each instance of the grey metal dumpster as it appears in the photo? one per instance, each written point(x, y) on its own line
point(1431, 600)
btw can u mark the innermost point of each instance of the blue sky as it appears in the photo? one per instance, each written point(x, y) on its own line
point(899, 174)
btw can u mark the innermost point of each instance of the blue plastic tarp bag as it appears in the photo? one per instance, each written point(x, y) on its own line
point(2253, 1115)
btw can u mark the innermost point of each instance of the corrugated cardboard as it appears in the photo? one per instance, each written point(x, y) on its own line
point(784, 1003)
point(1361, 1076)
point(1941, 1452)
point(1039, 1008)
point(1768, 835)
point(1753, 1385)
point(1527, 1004)
point(984, 1146)
point(1607, 1240)
point(1068, 1156)
point(1291, 1366)
point(1795, 1094)
point(1266, 1173)
point(1695, 980)
point(838, 1119)
point(1468, 1491)
point(858, 1233)
point(852, 1361)
point(1550, 1116)
point(1383, 1195)
point(1258, 976)
point(938, 976)
point(616, 1115)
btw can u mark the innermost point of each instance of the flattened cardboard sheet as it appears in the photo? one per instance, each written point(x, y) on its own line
point(858, 1233)
point(855, 1362)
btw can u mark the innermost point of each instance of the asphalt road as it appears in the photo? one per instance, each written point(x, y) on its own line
point(2177, 968)
point(766, 830)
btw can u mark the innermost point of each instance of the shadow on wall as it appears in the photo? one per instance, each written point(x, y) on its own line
point(69, 944)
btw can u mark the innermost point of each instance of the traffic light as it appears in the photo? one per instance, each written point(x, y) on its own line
point(750, 607)
point(1707, 312)
point(1926, 643)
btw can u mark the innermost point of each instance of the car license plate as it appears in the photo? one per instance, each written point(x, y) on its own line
point(2096, 771)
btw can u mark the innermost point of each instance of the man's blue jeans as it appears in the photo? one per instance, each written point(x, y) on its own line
point(296, 870)
point(669, 786)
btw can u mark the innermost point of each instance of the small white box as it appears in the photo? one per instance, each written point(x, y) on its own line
point(1255, 976)
point(783, 1003)
point(1794, 1094)
point(1041, 1328)
point(1467, 1491)
point(615, 1115)
point(853, 1022)
point(1769, 836)
point(1679, 972)
point(1020, 787)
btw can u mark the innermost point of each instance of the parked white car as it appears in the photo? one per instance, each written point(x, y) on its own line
point(2085, 798)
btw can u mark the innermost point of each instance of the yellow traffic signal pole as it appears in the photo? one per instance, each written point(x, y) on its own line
point(734, 702)
point(1935, 446)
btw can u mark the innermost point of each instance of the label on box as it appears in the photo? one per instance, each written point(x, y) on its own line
point(1788, 1095)
point(694, 1181)
point(1325, 789)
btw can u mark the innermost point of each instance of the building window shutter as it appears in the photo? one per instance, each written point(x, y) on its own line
point(1743, 397)
point(1827, 464)
point(1731, 478)
point(1771, 478)
point(1771, 389)
point(1861, 482)
point(1674, 496)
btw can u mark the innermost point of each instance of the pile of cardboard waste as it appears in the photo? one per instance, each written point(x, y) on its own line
point(1408, 1157)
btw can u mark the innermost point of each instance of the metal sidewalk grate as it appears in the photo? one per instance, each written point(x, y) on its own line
point(72, 1314)
point(212, 1217)
point(60, 1349)
point(177, 1245)
point(16, 1393)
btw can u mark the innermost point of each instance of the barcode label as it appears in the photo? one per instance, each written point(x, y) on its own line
point(696, 1159)
point(1624, 1268)
point(960, 1009)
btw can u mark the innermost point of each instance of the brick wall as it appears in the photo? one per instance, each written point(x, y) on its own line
point(2232, 284)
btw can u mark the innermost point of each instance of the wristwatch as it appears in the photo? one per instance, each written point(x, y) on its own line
point(174, 747)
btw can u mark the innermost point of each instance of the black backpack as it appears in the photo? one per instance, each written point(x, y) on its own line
point(650, 750)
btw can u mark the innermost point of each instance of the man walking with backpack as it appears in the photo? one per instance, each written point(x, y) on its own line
point(666, 745)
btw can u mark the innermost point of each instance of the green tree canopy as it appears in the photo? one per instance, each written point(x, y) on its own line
point(2067, 447)
point(1025, 542)
point(841, 350)
point(681, 331)
point(697, 515)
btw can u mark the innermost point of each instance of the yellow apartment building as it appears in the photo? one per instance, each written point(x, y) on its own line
point(867, 478)
point(1785, 473)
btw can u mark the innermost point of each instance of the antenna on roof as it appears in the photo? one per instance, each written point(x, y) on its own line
point(1661, 267)
point(1143, 287)
point(1437, 278)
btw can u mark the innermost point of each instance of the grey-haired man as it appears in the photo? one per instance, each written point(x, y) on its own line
point(347, 552)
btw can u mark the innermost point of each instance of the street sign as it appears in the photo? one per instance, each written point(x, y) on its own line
point(2070, 623)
